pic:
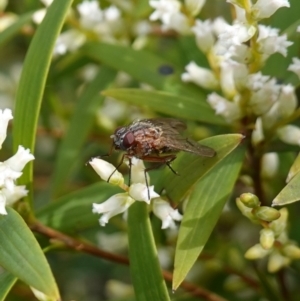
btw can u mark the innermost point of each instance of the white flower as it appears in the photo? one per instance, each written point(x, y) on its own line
point(178, 22)
point(164, 9)
point(166, 213)
point(20, 159)
point(298, 29)
point(106, 170)
point(262, 99)
point(90, 14)
point(69, 40)
point(204, 35)
point(140, 192)
point(282, 108)
point(258, 133)
point(219, 25)
point(47, 2)
point(2, 204)
point(115, 205)
point(240, 53)
point(138, 171)
point(257, 81)
point(228, 109)
point(289, 134)
point(232, 35)
point(270, 42)
point(263, 9)
point(200, 76)
point(194, 6)
point(295, 67)
point(269, 165)
point(168, 11)
point(226, 79)
point(5, 117)
point(14, 194)
point(240, 12)
point(8, 176)
point(39, 16)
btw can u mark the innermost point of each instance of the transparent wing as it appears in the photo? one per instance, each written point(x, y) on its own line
point(172, 139)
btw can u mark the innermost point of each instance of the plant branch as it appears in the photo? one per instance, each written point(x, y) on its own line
point(78, 245)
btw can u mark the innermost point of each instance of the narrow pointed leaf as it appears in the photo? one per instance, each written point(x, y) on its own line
point(146, 273)
point(7, 280)
point(145, 67)
point(73, 212)
point(203, 210)
point(12, 30)
point(80, 125)
point(33, 80)
point(21, 255)
point(191, 168)
point(290, 193)
point(180, 106)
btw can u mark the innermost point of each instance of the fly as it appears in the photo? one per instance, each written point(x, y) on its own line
point(155, 140)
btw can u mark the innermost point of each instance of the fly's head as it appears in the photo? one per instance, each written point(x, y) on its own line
point(123, 138)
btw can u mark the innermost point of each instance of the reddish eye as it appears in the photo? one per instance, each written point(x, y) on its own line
point(128, 140)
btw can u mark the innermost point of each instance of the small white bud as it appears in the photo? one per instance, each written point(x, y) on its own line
point(106, 170)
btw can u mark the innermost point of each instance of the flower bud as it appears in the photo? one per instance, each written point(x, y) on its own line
point(289, 134)
point(250, 200)
point(266, 213)
point(256, 252)
point(200, 76)
point(291, 251)
point(269, 165)
point(277, 261)
point(107, 171)
point(246, 211)
point(263, 9)
point(279, 225)
point(194, 6)
point(267, 238)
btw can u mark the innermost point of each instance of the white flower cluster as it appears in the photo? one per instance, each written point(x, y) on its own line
point(11, 169)
point(236, 53)
point(102, 24)
point(138, 191)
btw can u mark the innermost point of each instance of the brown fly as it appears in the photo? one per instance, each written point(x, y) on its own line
point(155, 140)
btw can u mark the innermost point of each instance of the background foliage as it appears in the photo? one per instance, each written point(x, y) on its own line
point(65, 109)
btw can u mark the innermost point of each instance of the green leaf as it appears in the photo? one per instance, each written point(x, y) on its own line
point(141, 65)
point(21, 255)
point(33, 79)
point(78, 130)
point(12, 30)
point(146, 274)
point(73, 212)
point(144, 67)
point(203, 210)
point(7, 280)
point(290, 193)
point(191, 168)
point(184, 107)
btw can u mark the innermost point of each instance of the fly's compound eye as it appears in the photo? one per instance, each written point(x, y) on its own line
point(128, 140)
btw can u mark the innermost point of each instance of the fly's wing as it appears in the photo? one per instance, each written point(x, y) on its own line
point(168, 123)
point(171, 138)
